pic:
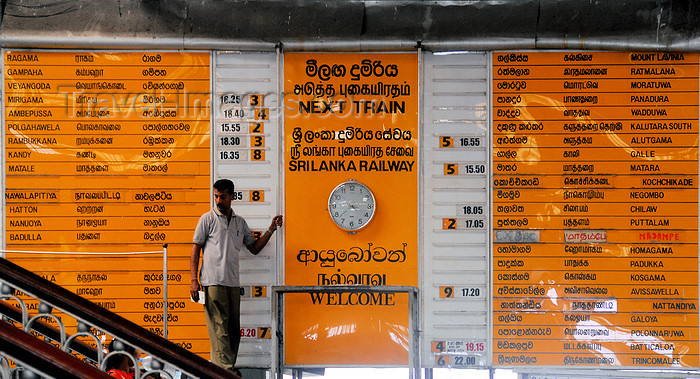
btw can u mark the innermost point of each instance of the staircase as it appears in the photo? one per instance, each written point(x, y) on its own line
point(25, 353)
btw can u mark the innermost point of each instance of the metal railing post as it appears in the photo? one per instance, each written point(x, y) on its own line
point(416, 332)
point(165, 291)
point(278, 356)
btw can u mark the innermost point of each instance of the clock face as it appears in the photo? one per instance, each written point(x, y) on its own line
point(351, 205)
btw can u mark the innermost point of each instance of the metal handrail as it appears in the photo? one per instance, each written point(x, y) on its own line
point(90, 316)
point(16, 314)
point(42, 357)
point(3, 253)
point(413, 325)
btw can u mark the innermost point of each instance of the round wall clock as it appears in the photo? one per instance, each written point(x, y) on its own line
point(351, 205)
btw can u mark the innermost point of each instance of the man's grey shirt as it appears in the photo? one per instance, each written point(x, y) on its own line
point(221, 243)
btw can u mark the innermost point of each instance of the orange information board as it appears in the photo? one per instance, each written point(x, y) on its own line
point(109, 152)
point(350, 118)
point(595, 209)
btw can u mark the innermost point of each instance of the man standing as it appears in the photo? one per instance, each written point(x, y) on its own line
point(219, 236)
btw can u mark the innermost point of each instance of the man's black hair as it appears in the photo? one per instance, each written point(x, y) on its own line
point(222, 185)
point(114, 361)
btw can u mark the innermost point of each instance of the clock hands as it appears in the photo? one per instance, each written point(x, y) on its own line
point(350, 206)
